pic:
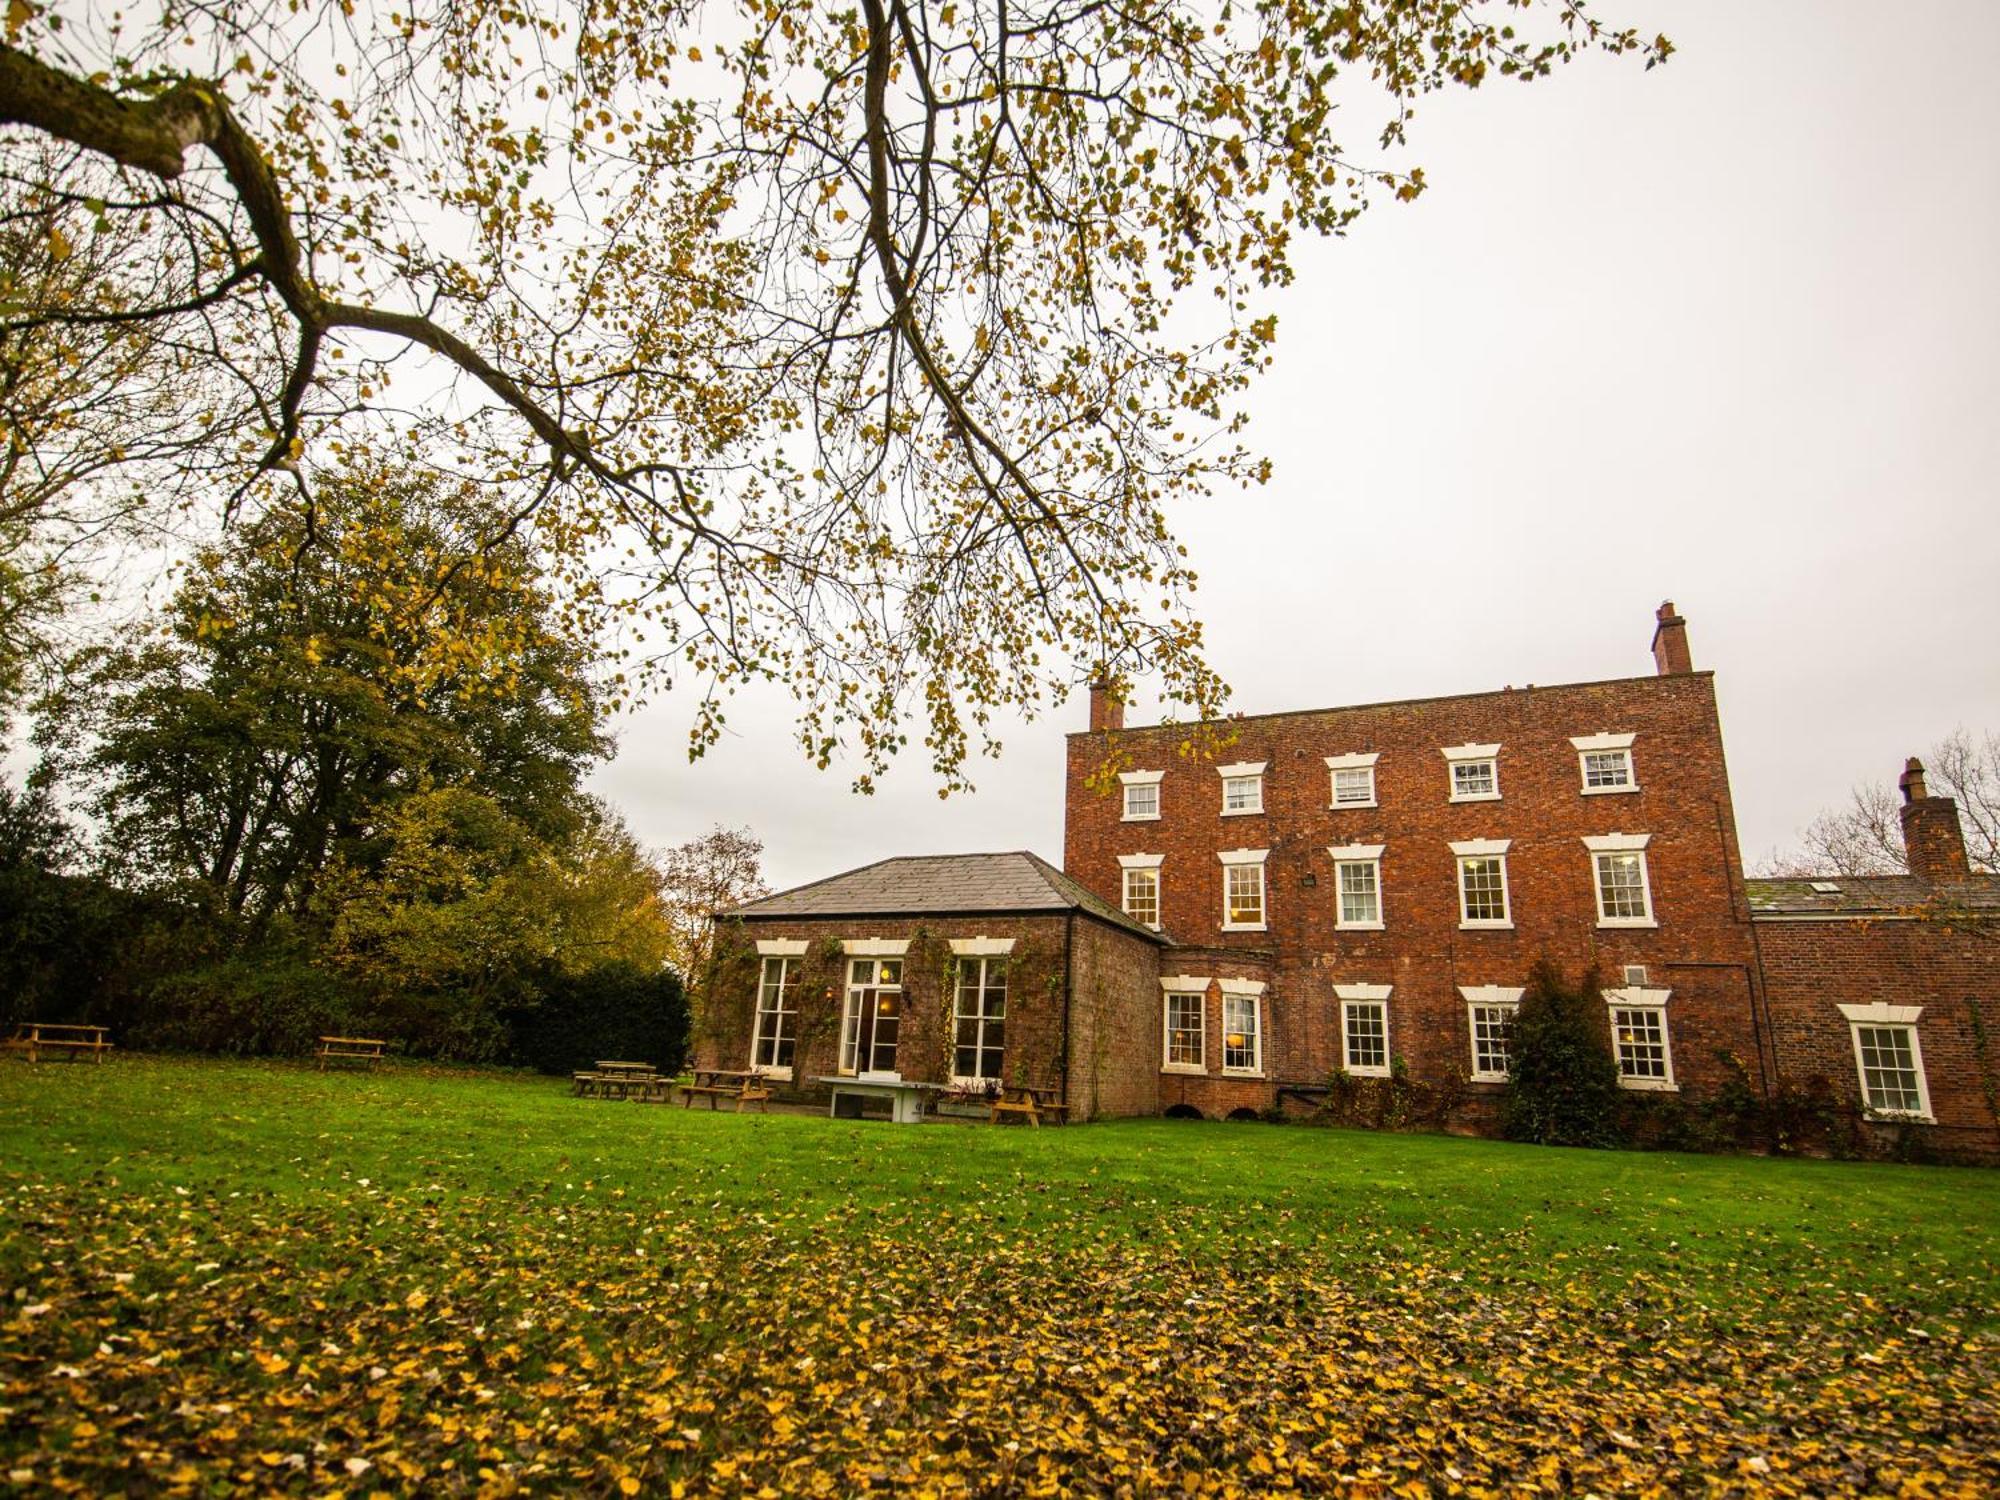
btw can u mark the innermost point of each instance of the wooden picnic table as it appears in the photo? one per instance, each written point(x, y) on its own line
point(361, 1049)
point(716, 1084)
point(60, 1039)
point(1028, 1103)
point(610, 1079)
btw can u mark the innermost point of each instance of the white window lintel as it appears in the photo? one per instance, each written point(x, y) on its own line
point(1588, 742)
point(1882, 1014)
point(1492, 994)
point(1141, 778)
point(1352, 852)
point(1470, 752)
point(1140, 861)
point(982, 947)
point(1363, 991)
point(1354, 762)
point(1242, 768)
point(1479, 848)
point(1241, 856)
point(1614, 843)
point(782, 947)
point(1184, 984)
point(1241, 986)
point(876, 947)
point(1636, 997)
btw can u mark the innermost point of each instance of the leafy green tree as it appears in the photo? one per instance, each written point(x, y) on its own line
point(314, 671)
point(863, 349)
point(1562, 1086)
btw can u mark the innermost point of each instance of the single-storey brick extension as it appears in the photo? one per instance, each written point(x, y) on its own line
point(1361, 889)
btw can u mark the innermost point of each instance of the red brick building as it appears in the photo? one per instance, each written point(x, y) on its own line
point(1882, 989)
point(969, 971)
point(1364, 890)
point(1349, 887)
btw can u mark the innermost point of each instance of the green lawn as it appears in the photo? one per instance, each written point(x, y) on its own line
point(234, 1273)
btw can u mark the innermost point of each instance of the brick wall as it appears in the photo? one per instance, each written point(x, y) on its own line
point(1112, 970)
point(1702, 948)
point(1114, 1023)
point(1813, 967)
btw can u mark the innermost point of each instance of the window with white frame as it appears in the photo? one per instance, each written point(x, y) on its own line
point(1475, 772)
point(1142, 795)
point(979, 1019)
point(1639, 1038)
point(1243, 889)
point(774, 1035)
point(1889, 1059)
point(1186, 1031)
point(1357, 886)
point(1242, 788)
point(1353, 779)
point(1364, 1028)
point(1490, 1011)
point(1624, 888)
point(874, 1015)
point(1606, 763)
point(1482, 883)
point(1141, 874)
point(1242, 1026)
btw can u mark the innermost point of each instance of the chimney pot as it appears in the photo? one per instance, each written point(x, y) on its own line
point(1912, 780)
point(1670, 642)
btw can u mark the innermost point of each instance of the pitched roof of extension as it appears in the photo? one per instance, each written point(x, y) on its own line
point(1869, 895)
point(923, 884)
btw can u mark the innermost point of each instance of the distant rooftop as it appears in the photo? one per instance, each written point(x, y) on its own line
point(940, 884)
point(1525, 690)
point(1868, 895)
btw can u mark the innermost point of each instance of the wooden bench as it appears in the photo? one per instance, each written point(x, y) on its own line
point(622, 1080)
point(366, 1050)
point(716, 1084)
point(39, 1039)
point(1029, 1104)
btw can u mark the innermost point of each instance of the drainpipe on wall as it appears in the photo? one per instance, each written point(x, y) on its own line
point(1069, 992)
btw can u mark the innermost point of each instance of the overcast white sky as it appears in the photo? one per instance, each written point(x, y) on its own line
point(1727, 332)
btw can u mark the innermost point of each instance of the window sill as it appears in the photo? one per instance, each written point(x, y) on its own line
point(1897, 1117)
point(1607, 791)
point(1488, 1078)
point(1473, 797)
point(1357, 927)
point(1649, 1085)
point(1487, 926)
point(1351, 806)
point(1368, 1072)
point(1243, 812)
point(1194, 1070)
point(1627, 924)
point(1256, 1073)
point(1244, 927)
point(1139, 818)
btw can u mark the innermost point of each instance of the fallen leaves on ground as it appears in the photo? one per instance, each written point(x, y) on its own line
point(383, 1341)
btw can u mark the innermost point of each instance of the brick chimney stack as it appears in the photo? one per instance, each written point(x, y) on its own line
point(1933, 842)
point(1107, 709)
point(1670, 643)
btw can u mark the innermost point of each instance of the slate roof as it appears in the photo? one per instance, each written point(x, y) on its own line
point(924, 884)
point(1868, 895)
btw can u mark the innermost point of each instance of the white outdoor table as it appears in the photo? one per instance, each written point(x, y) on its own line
point(906, 1098)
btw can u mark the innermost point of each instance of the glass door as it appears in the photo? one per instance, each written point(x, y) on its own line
point(873, 1017)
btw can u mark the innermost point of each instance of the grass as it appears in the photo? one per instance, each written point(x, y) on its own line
point(525, 1289)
